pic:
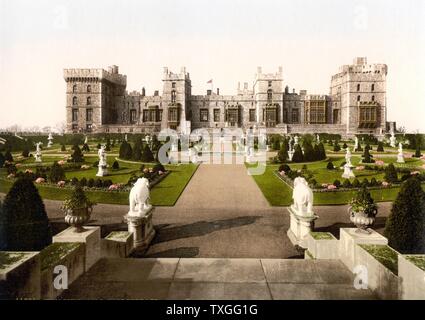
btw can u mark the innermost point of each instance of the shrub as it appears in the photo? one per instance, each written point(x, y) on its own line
point(356, 183)
point(98, 183)
point(8, 156)
point(365, 182)
point(158, 167)
point(363, 202)
point(57, 173)
point(418, 142)
point(380, 147)
point(24, 222)
point(90, 183)
point(367, 157)
point(298, 154)
point(282, 155)
point(308, 151)
point(108, 145)
point(2, 160)
point(344, 146)
point(126, 152)
point(284, 167)
point(96, 164)
point(26, 152)
point(313, 183)
point(276, 144)
point(405, 227)
point(147, 155)
point(373, 182)
point(330, 143)
point(63, 148)
point(390, 174)
point(322, 153)
point(98, 146)
point(74, 181)
point(137, 150)
point(115, 165)
point(346, 184)
point(337, 147)
point(106, 183)
point(77, 155)
point(86, 147)
point(330, 166)
point(337, 183)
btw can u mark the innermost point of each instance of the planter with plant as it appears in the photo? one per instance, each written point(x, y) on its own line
point(363, 210)
point(77, 209)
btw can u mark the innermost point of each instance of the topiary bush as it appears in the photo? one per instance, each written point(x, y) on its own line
point(282, 155)
point(24, 222)
point(158, 167)
point(298, 154)
point(147, 155)
point(390, 174)
point(356, 183)
point(405, 226)
point(337, 183)
point(115, 165)
point(337, 147)
point(367, 157)
point(126, 151)
point(86, 147)
point(57, 173)
point(8, 156)
point(309, 154)
point(380, 147)
point(76, 156)
point(137, 150)
point(284, 167)
point(63, 148)
point(83, 182)
point(344, 146)
point(346, 184)
point(330, 165)
point(90, 183)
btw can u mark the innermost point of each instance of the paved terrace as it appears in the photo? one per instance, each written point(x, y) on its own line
point(263, 279)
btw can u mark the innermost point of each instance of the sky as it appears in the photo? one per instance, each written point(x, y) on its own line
point(223, 40)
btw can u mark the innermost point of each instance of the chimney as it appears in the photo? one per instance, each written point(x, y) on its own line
point(293, 91)
point(143, 91)
point(258, 70)
point(218, 91)
point(208, 92)
point(165, 71)
point(286, 90)
point(156, 93)
point(245, 85)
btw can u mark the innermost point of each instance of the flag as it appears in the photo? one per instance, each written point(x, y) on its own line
point(210, 81)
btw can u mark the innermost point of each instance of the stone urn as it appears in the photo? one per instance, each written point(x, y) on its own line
point(362, 220)
point(78, 217)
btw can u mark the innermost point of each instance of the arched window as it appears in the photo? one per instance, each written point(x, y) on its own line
point(88, 101)
point(173, 96)
point(358, 87)
point(358, 98)
point(373, 98)
point(74, 101)
point(74, 88)
point(373, 87)
point(89, 88)
point(269, 95)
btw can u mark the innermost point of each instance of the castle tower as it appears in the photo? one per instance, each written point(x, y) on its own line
point(359, 97)
point(91, 96)
point(268, 95)
point(177, 90)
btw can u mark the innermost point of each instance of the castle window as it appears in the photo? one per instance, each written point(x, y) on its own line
point(216, 115)
point(145, 115)
point(159, 115)
point(75, 127)
point(74, 88)
point(74, 101)
point(358, 98)
point(88, 101)
point(295, 115)
point(285, 115)
point(89, 88)
point(173, 84)
point(88, 127)
point(173, 96)
point(367, 116)
point(89, 114)
point(251, 115)
point(358, 87)
point(373, 87)
point(203, 115)
point(269, 95)
point(132, 116)
point(373, 98)
point(270, 83)
point(74, 114)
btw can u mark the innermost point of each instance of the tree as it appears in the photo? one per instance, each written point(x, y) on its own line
point(380, 147)
point(282, 155)
point(126, 152)
point(276, 143)
point(108, 145)
point(24, 222)
point(77, 155)
point(322, 152)
point(115, 165)
point(337, 147)
point(405, 227)
point(367, 157)
point(2, 160)
point(418, 142)
point(330, 166)
point(147, 155)
point(86, 147)
point(137, 150)
point(298, 154)
point(390, 174)
point(25, 151)
point(57, 173)
point(308, 151)
point(63, 148)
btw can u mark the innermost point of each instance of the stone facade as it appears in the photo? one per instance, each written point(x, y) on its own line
point(96, 101)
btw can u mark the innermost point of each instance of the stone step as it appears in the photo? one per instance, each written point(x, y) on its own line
point(205, 278)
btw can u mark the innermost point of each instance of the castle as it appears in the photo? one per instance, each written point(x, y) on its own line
point(97, 101)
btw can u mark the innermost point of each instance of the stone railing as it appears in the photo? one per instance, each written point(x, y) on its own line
point(389, 274)
point(45, 274)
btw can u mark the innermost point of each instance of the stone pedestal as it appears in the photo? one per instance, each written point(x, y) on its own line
point(142, 228)
point(102, 171)
point(267, 148)
point(349, 238)
point(90, 237)
point(290, 154)
point(300, 227)
point(400, 158)
point(348, 172)
point(118, 244)
point(38, 158)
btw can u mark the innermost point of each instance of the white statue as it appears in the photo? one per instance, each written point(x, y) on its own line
point(86, 140)
point(392, 140)
point(38, 152)
point(102, 166)
point(139, 198)
point(317, 138)
point(356, 143)
point(303, 198)
point(50, 139)
point(296, 138)
point(348, 168)
point(400, 156)
point(125, 137)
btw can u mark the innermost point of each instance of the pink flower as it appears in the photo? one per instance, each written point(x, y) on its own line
point(379, 163)
point(40, 180)
point(414, 173)
point(282, 173)
point(408, 155)
point(145, 170)
point(61, 162)
point(18, 165)
point(160, 172)
point(61, 184)
point(150, 170)
point(324, 185)
point(360, 168)
point(85, 166)
point(28, 171)
point(385, 184)
point(332, 187)
point(11, 176)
